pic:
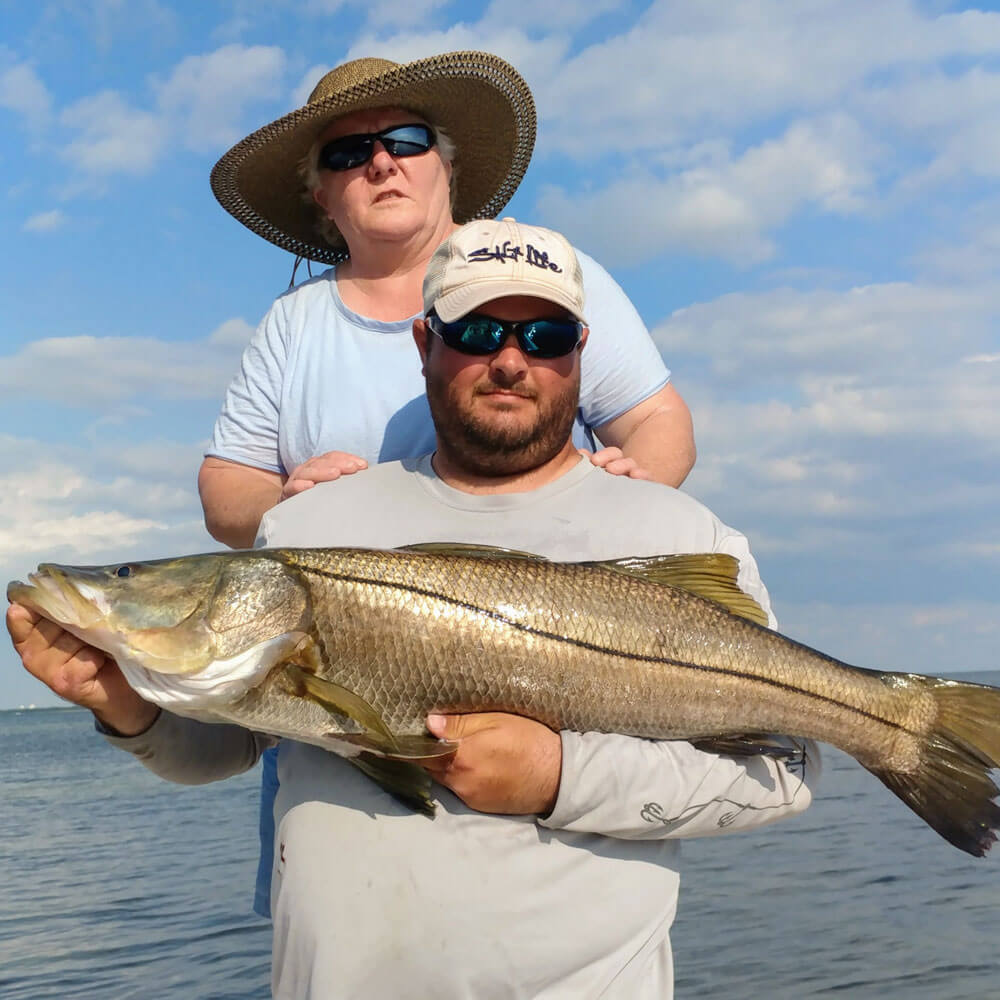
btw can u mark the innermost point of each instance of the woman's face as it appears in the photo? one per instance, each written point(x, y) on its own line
point(388, 198)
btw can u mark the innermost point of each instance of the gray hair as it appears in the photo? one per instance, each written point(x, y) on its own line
point(308, 170)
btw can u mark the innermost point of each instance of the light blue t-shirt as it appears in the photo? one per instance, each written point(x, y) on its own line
point(319, 377)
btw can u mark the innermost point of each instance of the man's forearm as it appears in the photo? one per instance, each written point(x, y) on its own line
point(189, 752)
point(635, 789)
point(235, 497)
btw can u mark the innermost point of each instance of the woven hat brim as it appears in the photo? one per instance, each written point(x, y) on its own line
point(480, 100)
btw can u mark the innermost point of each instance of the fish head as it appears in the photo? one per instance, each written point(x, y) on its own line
point(170, 616)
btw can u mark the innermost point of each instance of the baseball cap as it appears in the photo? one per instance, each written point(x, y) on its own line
point(490, 258)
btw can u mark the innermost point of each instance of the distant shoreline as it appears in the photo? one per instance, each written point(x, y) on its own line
point(44, 708)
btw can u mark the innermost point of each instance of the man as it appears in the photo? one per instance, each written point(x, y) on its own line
point(550, 867)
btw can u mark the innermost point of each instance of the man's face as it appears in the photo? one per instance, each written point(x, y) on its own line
point(387, 197)
point(502, 413)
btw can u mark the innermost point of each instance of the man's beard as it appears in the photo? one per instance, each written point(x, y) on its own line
point(490, 444)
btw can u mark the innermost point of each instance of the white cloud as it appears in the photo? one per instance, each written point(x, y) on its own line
point(944, 116)
point(725, 206)
point(22, 91)
point(200, 105)
point(113, 137)
point(686, 68)
point(205, 96)
point(45, 222)
point(889, 327)
point(550, 17)
point(847, 422)
point(231, 333)
point(312, 76)
point(114, 23)
point(381, 13)
point(535, 58)
point(96, 503)
point(101, 372)
point(971, 253)
point(929, 638)
point(85, 534)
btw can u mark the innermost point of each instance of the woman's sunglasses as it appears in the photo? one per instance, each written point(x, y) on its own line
point(478, 334)
point(353, 150)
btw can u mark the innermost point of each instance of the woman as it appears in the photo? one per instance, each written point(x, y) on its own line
point(370, 176)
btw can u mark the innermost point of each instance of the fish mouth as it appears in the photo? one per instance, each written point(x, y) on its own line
point(51, 593)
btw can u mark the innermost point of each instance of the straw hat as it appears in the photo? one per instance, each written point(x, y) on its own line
point(481, 101)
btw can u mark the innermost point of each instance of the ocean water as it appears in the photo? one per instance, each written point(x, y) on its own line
point(118, 885)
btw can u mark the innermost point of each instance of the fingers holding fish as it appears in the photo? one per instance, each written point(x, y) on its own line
point(505, 763)
point(77, 672)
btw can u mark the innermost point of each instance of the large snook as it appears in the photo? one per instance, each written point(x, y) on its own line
point(349, 649)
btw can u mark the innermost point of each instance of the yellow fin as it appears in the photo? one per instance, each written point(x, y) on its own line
point(711, 575)
point(470, 549)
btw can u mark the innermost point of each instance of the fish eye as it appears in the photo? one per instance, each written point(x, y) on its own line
point(123, 571)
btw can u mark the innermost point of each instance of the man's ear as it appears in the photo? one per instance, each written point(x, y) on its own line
point(583, 338)
point(420, 337)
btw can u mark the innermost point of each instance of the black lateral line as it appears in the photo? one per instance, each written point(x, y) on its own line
point(593, 647)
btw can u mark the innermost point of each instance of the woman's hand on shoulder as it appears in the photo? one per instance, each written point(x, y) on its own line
point(613, 460)
point(321, 469)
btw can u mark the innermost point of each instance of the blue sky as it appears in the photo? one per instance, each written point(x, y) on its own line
point(800, 198)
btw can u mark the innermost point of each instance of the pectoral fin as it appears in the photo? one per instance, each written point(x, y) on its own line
point(404, 747)
point(340, 701)
point(711, 575)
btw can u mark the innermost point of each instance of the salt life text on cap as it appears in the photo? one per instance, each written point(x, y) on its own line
point(488, 259)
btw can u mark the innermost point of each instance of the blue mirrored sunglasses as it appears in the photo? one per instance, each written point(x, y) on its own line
point(479, 334)
point(353, 150)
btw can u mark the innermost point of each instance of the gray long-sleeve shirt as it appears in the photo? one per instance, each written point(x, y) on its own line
point(370, 899)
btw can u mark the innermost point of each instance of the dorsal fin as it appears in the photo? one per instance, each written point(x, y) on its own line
point(711, 575)
point(470, 549)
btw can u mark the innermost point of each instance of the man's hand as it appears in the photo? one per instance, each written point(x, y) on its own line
point(321, 469)
point(504, 764)
point(77, 672)
point(613, 460)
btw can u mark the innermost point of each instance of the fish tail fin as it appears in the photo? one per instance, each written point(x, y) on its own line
point(951, 788)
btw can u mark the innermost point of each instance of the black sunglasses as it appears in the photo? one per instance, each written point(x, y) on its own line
point(479, 334)
point(353, 150)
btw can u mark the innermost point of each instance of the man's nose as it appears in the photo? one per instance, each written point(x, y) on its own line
point(510, 359)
